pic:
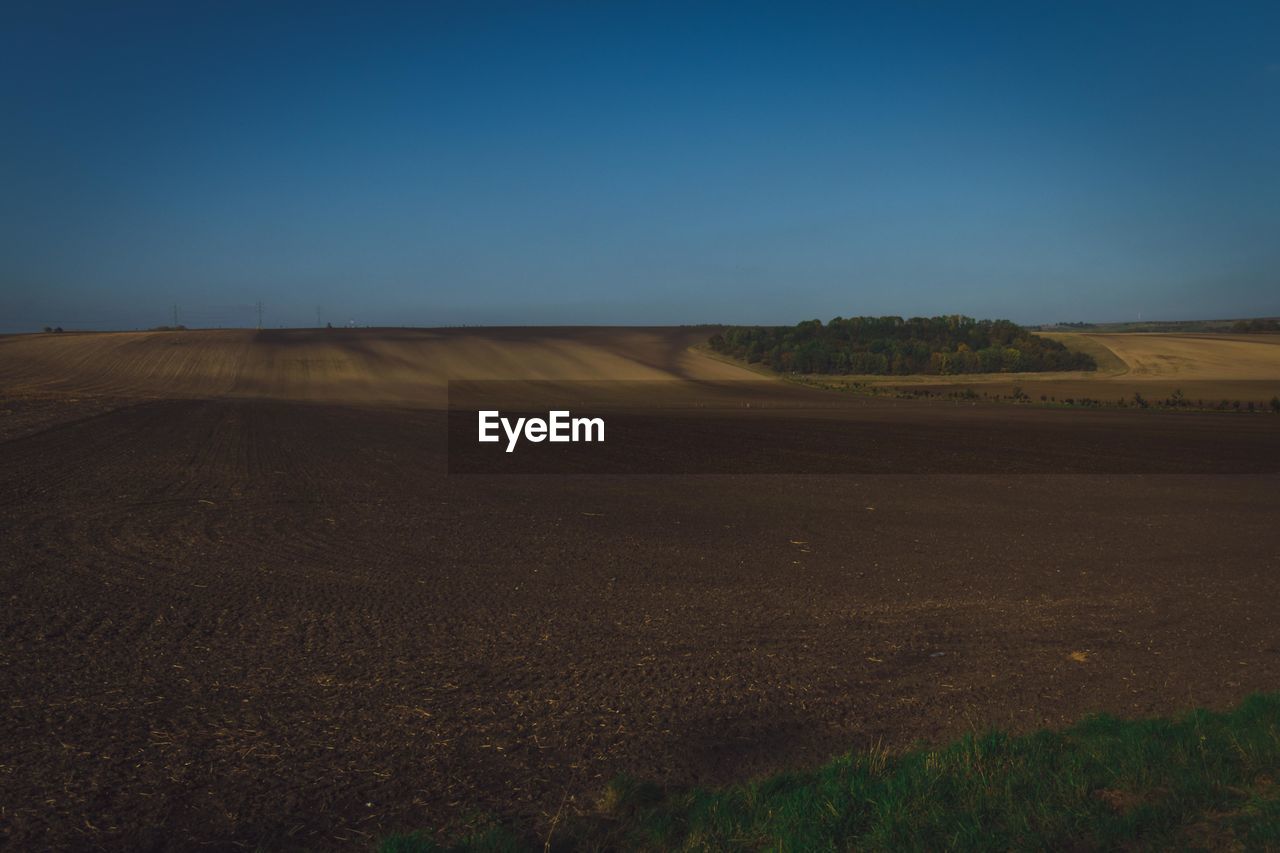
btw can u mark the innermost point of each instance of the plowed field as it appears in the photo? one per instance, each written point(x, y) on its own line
point(231, 619)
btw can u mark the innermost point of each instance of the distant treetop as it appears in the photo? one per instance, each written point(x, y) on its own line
point(1257, 326)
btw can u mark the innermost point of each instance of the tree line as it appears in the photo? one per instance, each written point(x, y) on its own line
point(1256, 326)
point(892, 346)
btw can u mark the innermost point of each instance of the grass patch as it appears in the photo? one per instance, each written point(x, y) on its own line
point(1202, 781)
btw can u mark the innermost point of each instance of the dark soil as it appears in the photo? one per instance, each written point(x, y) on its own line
point(234, 623)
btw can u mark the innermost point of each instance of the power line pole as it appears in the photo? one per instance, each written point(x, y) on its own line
point(175, 316)
point(259, 314)
point(318, 322)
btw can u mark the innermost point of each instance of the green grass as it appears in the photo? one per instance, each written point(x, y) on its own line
point(1203, 781)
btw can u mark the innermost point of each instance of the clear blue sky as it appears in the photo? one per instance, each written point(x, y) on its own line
point(599, 162)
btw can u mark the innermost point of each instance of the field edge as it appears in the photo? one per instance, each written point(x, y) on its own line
point(1204, 779)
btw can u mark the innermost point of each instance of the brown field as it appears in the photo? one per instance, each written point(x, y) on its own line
point(245, 605)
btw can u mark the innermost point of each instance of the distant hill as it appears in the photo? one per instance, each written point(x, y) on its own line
point(892, 346)
point(412, 366)
point(1258, 324)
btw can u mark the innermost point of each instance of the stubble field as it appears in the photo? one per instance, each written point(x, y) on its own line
point(1205, 368)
